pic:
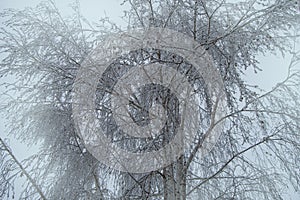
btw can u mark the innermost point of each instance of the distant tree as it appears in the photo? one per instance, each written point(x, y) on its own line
point(257, 153)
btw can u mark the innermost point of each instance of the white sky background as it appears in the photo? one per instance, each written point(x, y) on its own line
point(274, 67)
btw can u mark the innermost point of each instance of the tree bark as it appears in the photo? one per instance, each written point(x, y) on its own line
point(175, 181)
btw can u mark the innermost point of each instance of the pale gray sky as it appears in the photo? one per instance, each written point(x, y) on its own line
point(93, 10)
point(274, 67)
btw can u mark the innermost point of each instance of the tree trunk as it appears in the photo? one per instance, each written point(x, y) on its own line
point(175, 181)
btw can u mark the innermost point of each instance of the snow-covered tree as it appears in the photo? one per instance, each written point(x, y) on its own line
point(257, 153)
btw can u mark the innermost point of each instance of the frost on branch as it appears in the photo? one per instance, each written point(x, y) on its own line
point(257, 153)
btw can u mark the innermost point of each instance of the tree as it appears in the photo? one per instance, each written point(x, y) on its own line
point(256, 154)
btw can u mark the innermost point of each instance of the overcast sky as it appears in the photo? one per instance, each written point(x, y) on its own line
point(93, 10)
point(274, 67)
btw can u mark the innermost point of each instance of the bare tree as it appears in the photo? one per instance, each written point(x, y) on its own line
point(257, 153)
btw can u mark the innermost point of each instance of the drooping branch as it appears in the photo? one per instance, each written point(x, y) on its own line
point(31, 180)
